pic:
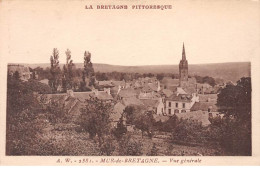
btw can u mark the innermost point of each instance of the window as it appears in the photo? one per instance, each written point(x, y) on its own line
point(183, 105)
point(162, 110)
point(170, 104)
point(183, 111)
point(176, 111)
point(169, 111)
point(176, 105)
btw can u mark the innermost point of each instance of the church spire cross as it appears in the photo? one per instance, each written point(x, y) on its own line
point(183, 52)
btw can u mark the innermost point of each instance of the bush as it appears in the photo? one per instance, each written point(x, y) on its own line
point(232, 136)
point(154, 151)
point(130, 147)
point(189, 132)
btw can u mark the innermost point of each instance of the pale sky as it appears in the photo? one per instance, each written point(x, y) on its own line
point(213, 31)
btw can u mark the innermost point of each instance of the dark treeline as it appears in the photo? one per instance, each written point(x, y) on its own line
point(102, 76)
point(206, 79)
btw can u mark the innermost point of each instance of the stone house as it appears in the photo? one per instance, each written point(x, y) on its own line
point(178, 104)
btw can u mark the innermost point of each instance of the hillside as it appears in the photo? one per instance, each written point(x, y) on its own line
point(227, 71)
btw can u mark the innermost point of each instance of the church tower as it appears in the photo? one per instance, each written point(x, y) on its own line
point(183, 69)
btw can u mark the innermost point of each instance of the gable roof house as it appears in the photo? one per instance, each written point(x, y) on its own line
point(205, 106)
point(117, 114)
point(127, 93)
point(157, 106)
point(179, 103)
point(208, 107)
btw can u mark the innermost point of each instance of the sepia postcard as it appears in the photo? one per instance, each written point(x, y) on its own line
point(129, 82)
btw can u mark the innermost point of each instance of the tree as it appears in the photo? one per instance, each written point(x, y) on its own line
point(55, 71)
point(88, 73)
point(22, 118)
point(189, 131)
point(121, 129)
point(211, 81)
point(16, 75)
point(168, 125)
point(95, 118)
point(160, 76)
point(130, 116)
point(145, 122)
point(235, 129)
point(108, 146)
point(68, 72)
point(236, 99)
point(132, 112)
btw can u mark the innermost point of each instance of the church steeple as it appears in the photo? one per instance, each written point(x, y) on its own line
point(183, 52)
point(183, 69)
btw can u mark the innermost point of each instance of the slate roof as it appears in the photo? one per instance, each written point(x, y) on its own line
point(204, 106)
point(190, 89)
point(172, 88)
point(153, 86)
point(180, 98)
point(124, 93)
point(206, 97)
point(195, 115)
point(75, 110)
point(150, 103)
point(131, 101)
point(167, 92)
point(149, 96)
point(118, 110)
point(59, 98)
point(180, 90)
point(82, 96)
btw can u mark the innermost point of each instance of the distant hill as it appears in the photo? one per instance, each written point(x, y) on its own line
point(228, 71)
